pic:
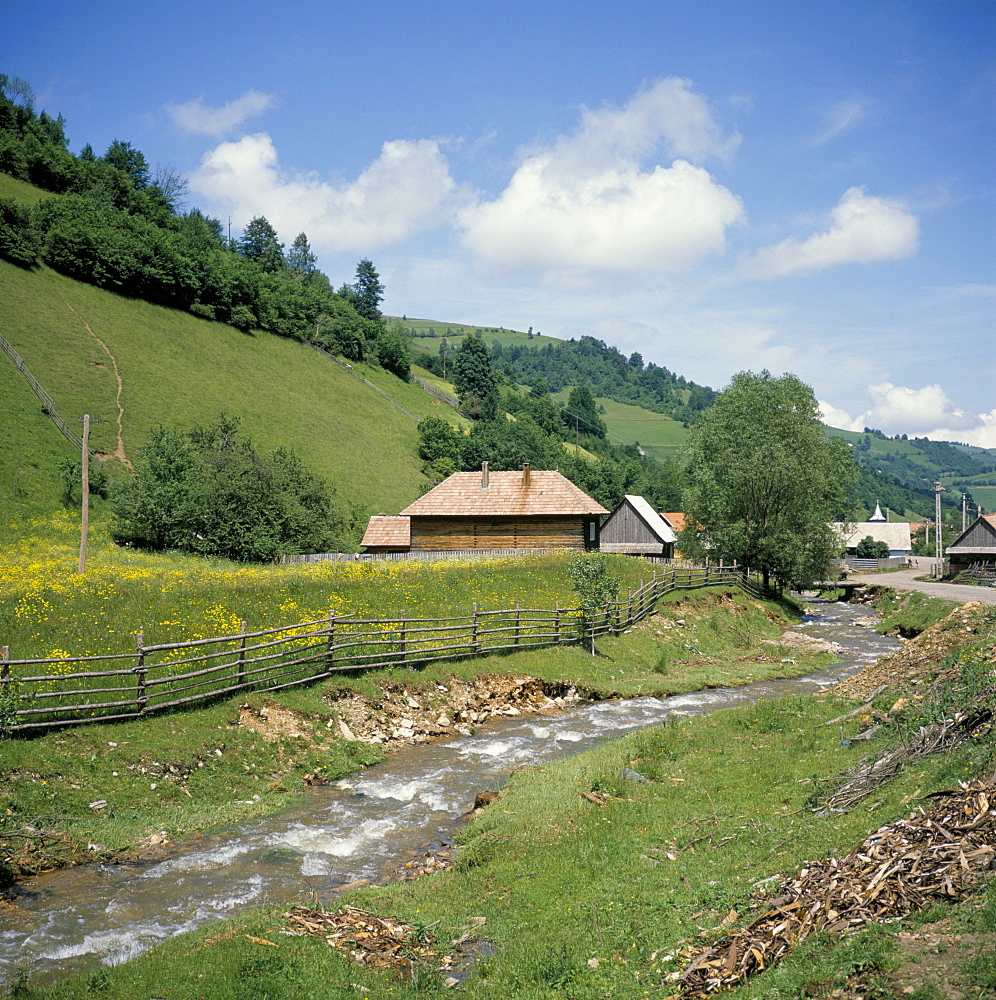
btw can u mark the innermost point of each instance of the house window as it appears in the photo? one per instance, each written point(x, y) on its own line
point(591, 531)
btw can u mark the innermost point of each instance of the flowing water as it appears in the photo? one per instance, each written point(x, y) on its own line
point(355, 829)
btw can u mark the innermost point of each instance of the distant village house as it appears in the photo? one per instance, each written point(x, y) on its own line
point(482, 511)
point(895, 534)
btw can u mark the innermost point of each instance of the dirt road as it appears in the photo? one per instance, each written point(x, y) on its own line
point(905, 579)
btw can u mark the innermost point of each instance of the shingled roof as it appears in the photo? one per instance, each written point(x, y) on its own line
point(506, 494)
point(387, 531)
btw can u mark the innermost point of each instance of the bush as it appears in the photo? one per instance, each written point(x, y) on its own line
point(868, 548)
point(209, 492)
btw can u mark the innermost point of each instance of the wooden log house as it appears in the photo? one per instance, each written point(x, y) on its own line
point(477, 511)
point(977, 544)
point(387, 533)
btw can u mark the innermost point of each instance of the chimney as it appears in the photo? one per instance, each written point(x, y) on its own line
point(525, 475)
point(484, 475)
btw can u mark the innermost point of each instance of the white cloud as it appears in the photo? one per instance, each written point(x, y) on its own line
point(403, 191)
point(925, 412)
point(195, 117)
point(842, 117)
point(586, 203)
point(834, 417)
point(863, 229)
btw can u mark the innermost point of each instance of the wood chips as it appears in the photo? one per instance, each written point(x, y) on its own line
point(935, 852)
point(376, 942)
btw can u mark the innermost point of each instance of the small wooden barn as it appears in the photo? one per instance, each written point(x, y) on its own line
point(387, 533)
point(976, 544)
point(634, 528)
point(504, 510)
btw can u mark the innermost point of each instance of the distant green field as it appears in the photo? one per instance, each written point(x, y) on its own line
point(658, 435)
point(428, 333)
point(985, 496)
point(178, 370)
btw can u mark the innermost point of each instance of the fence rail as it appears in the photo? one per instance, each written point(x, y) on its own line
point(48, 404)
point(45, 693)
point(979, 572)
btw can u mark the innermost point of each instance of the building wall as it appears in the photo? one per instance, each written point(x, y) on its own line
point(626, 527)
point(445, 533)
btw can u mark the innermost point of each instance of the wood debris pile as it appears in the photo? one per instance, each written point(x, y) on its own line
point(935, 852)
point(941, 736)
point(377, 942)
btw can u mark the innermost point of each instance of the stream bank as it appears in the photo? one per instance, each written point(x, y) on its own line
point(350, 832)
point(123, 791)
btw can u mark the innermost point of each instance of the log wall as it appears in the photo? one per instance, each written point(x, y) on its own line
point(440, 534)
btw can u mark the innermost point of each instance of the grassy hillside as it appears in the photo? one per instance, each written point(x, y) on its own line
point(20, 191)
point(428, 333)
point(659, 435)
point(177, 370)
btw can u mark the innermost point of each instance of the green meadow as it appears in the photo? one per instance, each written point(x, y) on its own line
point(178, 370)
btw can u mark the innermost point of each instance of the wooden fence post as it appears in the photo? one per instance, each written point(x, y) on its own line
point(242, 652)
point(330, 643)
point(141, 670)
point(4, 668)
point(556, 620)
point(518, 611)
point(401, 642)
point(475, 648)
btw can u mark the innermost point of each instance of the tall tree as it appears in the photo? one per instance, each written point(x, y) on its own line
point(581, 413)
point(765, 480)
point(369, 290)
point(300, 259)
point(130, 161)
point(473, 375)
point(259, 243)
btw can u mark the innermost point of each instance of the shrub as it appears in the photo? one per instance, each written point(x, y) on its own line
point(208, 491)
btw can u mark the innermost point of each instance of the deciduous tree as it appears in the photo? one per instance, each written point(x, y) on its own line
point(766, 482)
point(208, 491)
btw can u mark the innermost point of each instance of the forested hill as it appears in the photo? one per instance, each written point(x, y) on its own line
point(588, 362)
point(113, 222)
point(606, 372)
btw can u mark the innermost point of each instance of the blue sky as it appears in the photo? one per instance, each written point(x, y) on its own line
point(720, 186)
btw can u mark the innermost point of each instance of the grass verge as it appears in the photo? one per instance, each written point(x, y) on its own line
point(582, 900)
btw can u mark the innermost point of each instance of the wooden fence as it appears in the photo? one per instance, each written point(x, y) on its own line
point(46, 693)
point(48, 404)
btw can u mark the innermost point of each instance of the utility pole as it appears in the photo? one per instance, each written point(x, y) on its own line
point(964, 511)
point(938, 548)
point(85, 493)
